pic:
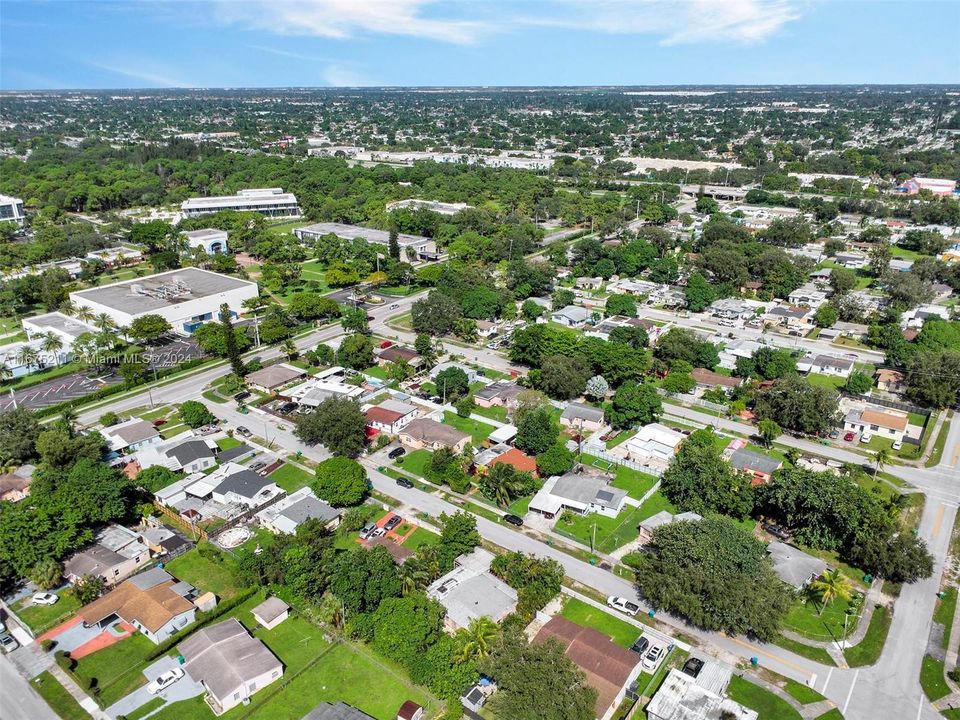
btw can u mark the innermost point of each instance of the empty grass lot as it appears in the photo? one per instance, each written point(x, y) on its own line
point(215, 575)
point(767, 705)
point(812, 620)
point(478, 431)
point(868, 650)
point(604, 534)
point(621, 632)
point(291, 478)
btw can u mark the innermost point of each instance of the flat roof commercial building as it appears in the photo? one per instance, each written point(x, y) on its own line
point(213, 241)
point(186, 298)
point(11, 210)
point(371, 235)
point(273, 202)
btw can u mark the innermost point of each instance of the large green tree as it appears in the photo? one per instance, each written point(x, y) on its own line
point(338, 423)
point(341, 482)
point(634, 403)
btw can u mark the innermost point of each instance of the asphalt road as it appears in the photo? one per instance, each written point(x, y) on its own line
point(19, 701)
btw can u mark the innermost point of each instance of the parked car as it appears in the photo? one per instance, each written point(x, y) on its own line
point(377, 532)
point(45, 598)
point(287, 408)
point(403, 482)
point(513, 519)
point(8, 642)
point(392, 523)
point(849, 437)
point(866, 437)
point(208, 429)
point(165, 680)
point(159, 422)
point(623, 605)
point(396, 452)
point(394, 306)
point(242, 395)
point(640, 645)
point(693, 666)
point(834, 434)
point(367, 531)
point(243, 431)
point(257, 466)
point(777, 531)
point(897, 445)
point(651, 659)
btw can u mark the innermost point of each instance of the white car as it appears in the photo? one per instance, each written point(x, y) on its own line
point(165, 680)
point(42, 598)
point(898, 444)
point(652, 657)
point(866, 437)
point(623, 605)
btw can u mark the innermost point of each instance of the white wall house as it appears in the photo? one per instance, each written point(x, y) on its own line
point(11, 210)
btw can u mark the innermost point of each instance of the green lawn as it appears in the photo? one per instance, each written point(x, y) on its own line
point(377, 372)
point(477, 430)
point(636, 483)
point(228, 443)
point(944, 613)
point(117, 668)
point(57, 697)
point(415, 462)
point(290, 477)
point(817, 654)
point(421, 537)
point(937, 453)
point(622, 633)
point(217, 576)
point(831, 382)
point(145, 710)
point(932, 679)
point(497, 412)
point(520, 506)
point(808, 618)
point(620, 437)
point(868, 650)
point(43, 617)
point(803, 694)
point(768, 705)
point(610, 533)
point(654, 504)
point(831, 714)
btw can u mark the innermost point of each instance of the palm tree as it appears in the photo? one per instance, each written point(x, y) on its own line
point(68, 417)
point(829, 587)
point(103, 322)
point(289, 348)
point(880, 458)
point(27, 356)
point(413, 574)
point(52, 343)
point(68, 308)
point(476, 639)
point(84, 314)
point(5, 372)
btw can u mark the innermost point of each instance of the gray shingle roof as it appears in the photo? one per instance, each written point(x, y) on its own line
point(245, 483)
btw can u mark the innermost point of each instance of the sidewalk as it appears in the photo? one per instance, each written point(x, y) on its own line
point(808, 712)
point(86, 702)
point(872, 597)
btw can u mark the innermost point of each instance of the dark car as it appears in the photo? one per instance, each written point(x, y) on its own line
point(287, 408)
point(513, 520)
point(403, 482)
point(777, 531)
point(242, 395)
point(395, 453)
point(693, 666)
point(640, 645)
point(243, 432)
point(392, 523)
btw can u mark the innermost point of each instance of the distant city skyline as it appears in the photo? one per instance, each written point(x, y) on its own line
point(283, 43)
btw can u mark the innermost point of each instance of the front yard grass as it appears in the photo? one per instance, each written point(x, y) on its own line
point(803, 694)
point(808, 618)
point(932, 679)
point(415, 462)
point(215, 574)
point(496, 412)
point(421, 537)
point(477, 430)
point(944, 613)
point(228, 443)
point(57, 697)
point(604, 534)
point(654, 504)
point(117, 669)
point(767, 705)
point(43, 617)
point(291, 478)
point(622, 633)
point(868, 650)
point(817, 654)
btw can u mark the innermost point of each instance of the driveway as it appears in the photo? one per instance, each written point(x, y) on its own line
point(183, 689)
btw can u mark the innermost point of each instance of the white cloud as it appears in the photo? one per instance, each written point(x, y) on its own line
point(340, 76)
point(292, 54)
point(137, 70)
point(675, 21)
point(340, 19)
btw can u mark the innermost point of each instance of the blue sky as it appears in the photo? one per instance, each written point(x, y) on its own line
point(270, 43)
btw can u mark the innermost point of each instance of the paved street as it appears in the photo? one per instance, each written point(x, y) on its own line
point(19, 701)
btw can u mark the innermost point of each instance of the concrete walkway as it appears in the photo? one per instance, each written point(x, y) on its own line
point(86, 702)
point(808, 712)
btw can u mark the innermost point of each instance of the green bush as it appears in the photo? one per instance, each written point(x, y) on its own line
point(47, 645)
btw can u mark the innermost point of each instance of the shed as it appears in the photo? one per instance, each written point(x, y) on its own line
point(271, 612)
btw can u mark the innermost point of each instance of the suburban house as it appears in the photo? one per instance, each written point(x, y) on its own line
point(605, 327)
point(664, 517)
point(273, 377)
point(397, 353)
point(918, 316)
point(470, 591)
point(708, 379)
point(517, 459)
point(759, 467)
point(796, 317)
point(129, 436)
point(740, 348)
point(470, 372)
point(154, 602)
point(582, 417)
point(852, 260)
point(733, 309)
point(501, 393)
point(589, 283)
point(826, 365)
point(890, 424)
point(271, 612)
point(654, 445)
point(323, 386)
point(115, 553)
point(795, 567)
point(230, 664)
point(609, 668)
point(682, 697)
point(162, 540)
point(808, 295)
point(390, 416)
point(287, 514)
point(15, 485)
point(244, 488)
point(336, 711)
point(430, 434)
point(571, 316)
point(890, 381)
point(189, 454)
point(579, 493)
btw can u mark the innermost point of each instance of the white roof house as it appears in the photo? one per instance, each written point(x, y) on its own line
point(470, 591)
point(571, 315)
point(654, 442)
point(579, 493)
point(682, 697)
point(289, 513)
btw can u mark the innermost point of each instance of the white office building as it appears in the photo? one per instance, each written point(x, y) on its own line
point(11, 210)
point(213, 241)
point(353, 232)
point(186, 298)
point(273, 202)
point(66, 328)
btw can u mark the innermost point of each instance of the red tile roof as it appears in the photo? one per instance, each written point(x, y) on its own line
point(519, 459)
point(383, 416)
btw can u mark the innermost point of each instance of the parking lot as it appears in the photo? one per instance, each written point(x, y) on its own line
point(172, 351)
point(54, 392)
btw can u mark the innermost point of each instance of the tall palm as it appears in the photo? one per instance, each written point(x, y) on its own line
point(27, 356)
point(289, 348)
point(5, 372)
point(84, 314)
point(413, 575)
point(830, 586)
point(475, 640)
point(52, 343)
point(68, 417)
point(880, 458)
point(103, 322)
point(68, 308)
